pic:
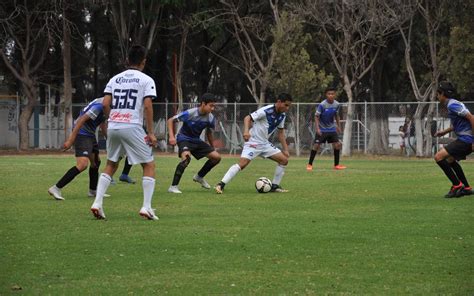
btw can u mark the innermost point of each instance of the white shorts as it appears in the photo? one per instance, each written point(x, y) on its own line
point(129, 142)
point(252, 150)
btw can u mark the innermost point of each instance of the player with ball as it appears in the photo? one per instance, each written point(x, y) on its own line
point(263, 122)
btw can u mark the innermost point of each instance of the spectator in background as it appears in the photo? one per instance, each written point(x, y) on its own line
point(401, 139)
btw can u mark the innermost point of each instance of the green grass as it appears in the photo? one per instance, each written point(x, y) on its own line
point(381, 227)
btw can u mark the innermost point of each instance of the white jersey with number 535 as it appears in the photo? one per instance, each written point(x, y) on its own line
point(128, 90)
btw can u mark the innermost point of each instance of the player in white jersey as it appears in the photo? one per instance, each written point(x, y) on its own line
point(265, 121)
point(127, 97)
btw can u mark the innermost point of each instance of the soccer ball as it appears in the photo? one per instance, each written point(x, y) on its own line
point(263, 185)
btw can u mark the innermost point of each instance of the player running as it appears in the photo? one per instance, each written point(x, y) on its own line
point(328, 127)
point(264, 122)
point(87, 150)
point(128, 99)
point(462, 123)
point(194, 120)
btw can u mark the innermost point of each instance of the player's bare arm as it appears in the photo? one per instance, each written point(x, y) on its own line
point(338, 124)
point(443, 132)
point(148, 111)
point(72, 137)
point(247, 126)
point(210, 137)
point(316, 123)
point(282, 138)
point(172, 139)
point(106, 102)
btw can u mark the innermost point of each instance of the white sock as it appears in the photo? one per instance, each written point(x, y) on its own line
point(102, 185)
point(233, 170)
point(279, 172)
point(148, 185)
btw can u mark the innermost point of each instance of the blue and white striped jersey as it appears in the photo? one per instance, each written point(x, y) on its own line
point(457, 112)
point(327, 115)
point(193, 124)
point(95, 111)
point(265, 122)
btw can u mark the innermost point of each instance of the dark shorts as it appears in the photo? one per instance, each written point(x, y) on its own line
point(458, 149)
point(197, 149)
point(86, 146)
point(326, 138)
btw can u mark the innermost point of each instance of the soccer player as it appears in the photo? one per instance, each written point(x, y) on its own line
point(87, 150)
point(127, 99)
point(264, 122)
point(328, 127)
point(194, 120)
point(462, 123)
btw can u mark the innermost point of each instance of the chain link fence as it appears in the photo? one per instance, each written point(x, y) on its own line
point(376, 127)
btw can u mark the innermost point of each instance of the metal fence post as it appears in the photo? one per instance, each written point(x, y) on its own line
point(18, 122)
point(297, 136)
point(166, 128)
point(50, 117)
point(365, 127)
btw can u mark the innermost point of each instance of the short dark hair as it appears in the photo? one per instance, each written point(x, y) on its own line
point(136, 54)
point(207, 98)
point(284, 97)
point(446, 88)
point(330, 88)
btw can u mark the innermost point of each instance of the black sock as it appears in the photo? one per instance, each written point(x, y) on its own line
point(207, 167)
point(178, 173)
point(459, 172)
point(126, 167)
point(312, 156)
point(444, 165)
point(73, 172)
point(93, 178)
point(336, 156)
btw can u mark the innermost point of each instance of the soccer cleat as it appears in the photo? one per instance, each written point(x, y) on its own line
point(309, 167)
point(174, 189)
point(126, 179)
point(466, 191)
point(201, 181)
point(277, 188)
point(98, 212)
point(93, 193)
point(219, 188)
point(455, 191)
point(55, 192)
point(148, 214)
point(339, 167)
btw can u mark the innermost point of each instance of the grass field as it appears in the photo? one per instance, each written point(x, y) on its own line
point(381, 227)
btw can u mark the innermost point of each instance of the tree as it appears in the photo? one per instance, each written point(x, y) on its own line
point(353, 33)
point(432, 14)
point(28, 31)
point(254, 35)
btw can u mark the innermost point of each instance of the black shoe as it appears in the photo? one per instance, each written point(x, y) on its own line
point(456, 191)
point(277, 188)
point(466, 191)
point(219, 187)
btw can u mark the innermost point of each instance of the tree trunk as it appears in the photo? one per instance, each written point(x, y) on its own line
point(67, 77)
point(346, 140)
point(30, 91)
point(419, 129)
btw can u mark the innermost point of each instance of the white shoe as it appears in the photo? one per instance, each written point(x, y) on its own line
point(148, 214)
point(174, 189)
point(201, 181)
point(98, 212)
point(55, 192)
point(92, 193)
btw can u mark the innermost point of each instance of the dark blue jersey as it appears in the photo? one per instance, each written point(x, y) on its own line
point(457, 112)
point(193, 124)
point(95, 111)
point(327, 115)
